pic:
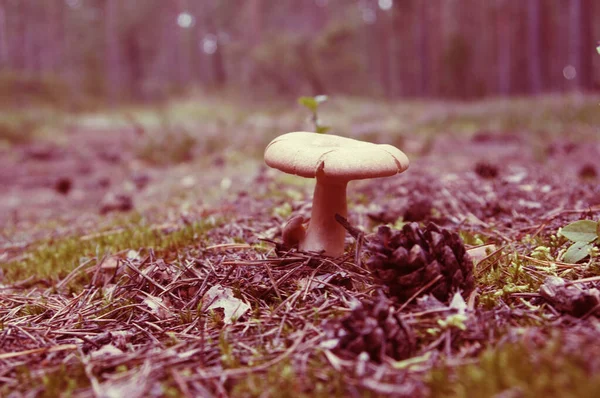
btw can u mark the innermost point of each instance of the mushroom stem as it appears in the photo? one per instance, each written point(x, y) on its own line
point(324, 233)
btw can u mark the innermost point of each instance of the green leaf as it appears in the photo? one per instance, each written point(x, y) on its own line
point(322, 129)
point(309, 102)
point(581, 231)
point(577, 252)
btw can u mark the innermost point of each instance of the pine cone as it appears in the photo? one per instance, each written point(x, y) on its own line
point(372, 327)
point(409, 259)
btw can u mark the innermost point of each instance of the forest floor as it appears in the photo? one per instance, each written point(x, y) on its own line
point(137, 254)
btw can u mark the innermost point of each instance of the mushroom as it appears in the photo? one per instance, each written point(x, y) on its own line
point(293, 232)
point(333, 161)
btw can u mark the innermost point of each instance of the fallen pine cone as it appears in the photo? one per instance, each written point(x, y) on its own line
point(409, 259)
point(374, 328)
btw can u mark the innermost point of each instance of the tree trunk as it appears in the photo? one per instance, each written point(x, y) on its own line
point(200, 68)
point(253, 37)
point(3, 37)
point(370, 55)
point(182, 44)
point(534, 16)
point(385, 32)
point(219, 75)
point(111, 43)
point(309, 69)
point(55, 37)
point(504, 47)
point(423, 47)
point(395, 50)
point(580, 42)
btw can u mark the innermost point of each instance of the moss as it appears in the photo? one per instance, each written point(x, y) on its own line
point(504, 277)
point(54, 259)
point(24, 126)
point(61, 381)
point(473, 239)
point(283, 380)
point(519, 369)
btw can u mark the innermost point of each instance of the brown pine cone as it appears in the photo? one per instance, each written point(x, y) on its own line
point(374, 328)
point(406, 260)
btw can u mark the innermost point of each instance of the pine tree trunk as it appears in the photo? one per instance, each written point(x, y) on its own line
point(4, 61)
point(111, 43)
point(504, 47)
point(423, 47)
point(253, 37)
point(534, 15)
point(580, 42)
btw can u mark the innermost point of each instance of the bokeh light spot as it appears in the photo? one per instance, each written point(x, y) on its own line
point(185, 20)
point(73, 3)
point(385, 4)
point(209, 44)
point(569, 72)
point(368, 16)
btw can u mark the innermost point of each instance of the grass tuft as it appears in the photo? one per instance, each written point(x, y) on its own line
point(54, 259)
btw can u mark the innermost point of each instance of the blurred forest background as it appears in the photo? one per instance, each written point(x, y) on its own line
point(112, 50)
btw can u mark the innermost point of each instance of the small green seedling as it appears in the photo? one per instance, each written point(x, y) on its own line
point(312, 104)
point(584, 234)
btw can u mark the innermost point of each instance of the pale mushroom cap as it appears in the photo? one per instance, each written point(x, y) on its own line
point(311, 154)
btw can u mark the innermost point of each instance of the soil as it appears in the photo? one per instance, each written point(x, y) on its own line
point(501, 186)
point(50, 190)
point(495, 177)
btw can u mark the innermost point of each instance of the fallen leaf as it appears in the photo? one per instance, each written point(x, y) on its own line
point(516, 178)
point(222, 297)
point(107, 350)
point(458, 303)
point(110, 263)
point(581, 231)
point(133, 255)
point(157, 306)
point(134, 386)
point(577, 252)
point(481, 252)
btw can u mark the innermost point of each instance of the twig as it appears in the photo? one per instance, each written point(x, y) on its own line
point(583, 280)
point(64, 347)
point(355, 232)
point(259, 368)
point(418, 292)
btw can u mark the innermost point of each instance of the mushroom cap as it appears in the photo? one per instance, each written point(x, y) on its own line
point(339, 158)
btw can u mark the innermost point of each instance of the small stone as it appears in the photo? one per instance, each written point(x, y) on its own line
point(63, 185)
point(486, 170)
point(588, 172)
point(140, 180)
point(110, 156)
point(43, 152)
point(103, 182)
